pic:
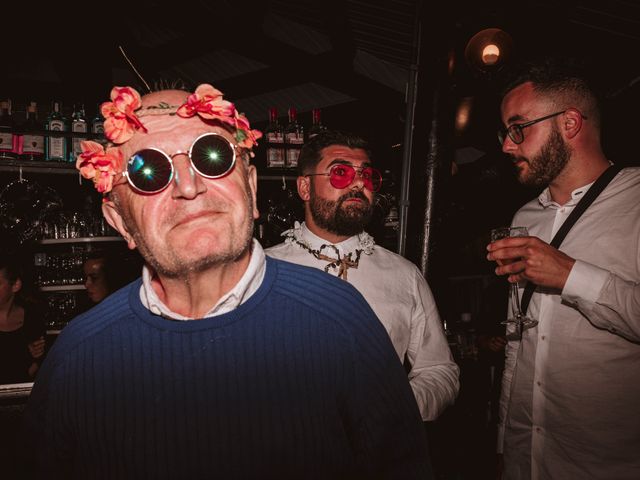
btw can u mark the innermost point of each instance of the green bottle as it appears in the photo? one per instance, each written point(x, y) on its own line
point(78, 125)
point(56, 146)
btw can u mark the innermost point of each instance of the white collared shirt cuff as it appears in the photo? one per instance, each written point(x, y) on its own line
point(585, 282)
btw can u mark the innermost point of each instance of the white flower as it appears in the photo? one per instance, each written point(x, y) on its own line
point(294, 234)
point(367, 243)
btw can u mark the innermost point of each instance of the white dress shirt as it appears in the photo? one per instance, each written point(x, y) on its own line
point(571, 389)
point(400, 297)
point(247, 286)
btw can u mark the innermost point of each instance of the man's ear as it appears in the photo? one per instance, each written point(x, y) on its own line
point(571, 122)
point(304, 188)
point(110, 212)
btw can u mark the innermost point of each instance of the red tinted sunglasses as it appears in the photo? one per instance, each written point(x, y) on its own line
point(341, 176)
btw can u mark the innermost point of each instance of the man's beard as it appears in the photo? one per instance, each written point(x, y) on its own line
point(335, 217)
point(548, 163)
point(173, 265)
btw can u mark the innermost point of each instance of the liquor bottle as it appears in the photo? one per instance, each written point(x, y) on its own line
point(293, 139)
point(56, 146)
point(31, 141)
point(316, 126)
point(78, 125)
point(8, 140)
point(274, 134)
point(97, 127)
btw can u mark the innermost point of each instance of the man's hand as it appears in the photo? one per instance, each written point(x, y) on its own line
point(493, 343)
point(36, 348)
point(529, 258)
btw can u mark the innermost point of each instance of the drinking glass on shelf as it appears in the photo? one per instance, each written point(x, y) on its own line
point(518, 317)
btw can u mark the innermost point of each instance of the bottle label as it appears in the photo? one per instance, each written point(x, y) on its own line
point(294, 138)
point(275, 137)
point(56, 146)
point(98, 127)
point(292, 157)
point(275, 157)
point(76, 149)
point(7, 145)
point(33, 144)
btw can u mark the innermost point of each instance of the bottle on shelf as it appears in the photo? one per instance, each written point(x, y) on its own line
point(97, 126)
point(274, 135)
point(8, 140)
point(31, 141)
point(316, 125)
point(78, 125)
point(293, 139)
point(56, 146)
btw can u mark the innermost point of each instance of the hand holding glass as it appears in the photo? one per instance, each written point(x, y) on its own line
point(519, 318)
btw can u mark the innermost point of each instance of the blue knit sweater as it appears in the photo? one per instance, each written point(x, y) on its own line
point(301, 381)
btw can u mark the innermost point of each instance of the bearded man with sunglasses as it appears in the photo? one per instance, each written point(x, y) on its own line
point(570, 390)
point(218, 362)
point(337, 183)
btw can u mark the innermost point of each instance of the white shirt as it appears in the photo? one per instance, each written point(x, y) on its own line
point(400, 297)
point(247, 286)
point(573, 409)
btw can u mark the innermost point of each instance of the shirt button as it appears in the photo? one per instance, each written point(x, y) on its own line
point(539, 383)
point(544, 337)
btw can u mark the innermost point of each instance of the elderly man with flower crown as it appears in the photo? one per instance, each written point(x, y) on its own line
point(218, 362)
point(337, 183)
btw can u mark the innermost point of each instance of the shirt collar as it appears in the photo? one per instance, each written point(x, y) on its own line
point(546, 201)
point(247, 286)
point(315, 242)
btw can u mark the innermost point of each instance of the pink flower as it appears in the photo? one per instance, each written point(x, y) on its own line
point(245, 137)
point(207, 102)
point(101, 166)
point(120, 120)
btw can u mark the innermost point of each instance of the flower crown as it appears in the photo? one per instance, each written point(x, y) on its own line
point(121, 122)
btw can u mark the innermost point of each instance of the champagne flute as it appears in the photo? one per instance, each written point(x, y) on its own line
point(518, 318)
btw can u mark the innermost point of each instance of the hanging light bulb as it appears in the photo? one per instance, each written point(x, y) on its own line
point(490, 54)
point(488, 50)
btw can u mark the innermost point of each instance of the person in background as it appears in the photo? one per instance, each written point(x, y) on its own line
point(96, 277)
point(218, 362)
point(570, 393)
point(337, 183)
point(106, 271)
point(22, 328)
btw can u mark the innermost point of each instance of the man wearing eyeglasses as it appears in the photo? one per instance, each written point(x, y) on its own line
point(337, 183)
point(570, 391)
point(218, 362)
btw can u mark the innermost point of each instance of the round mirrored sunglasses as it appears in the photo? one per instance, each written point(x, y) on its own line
point(151, 170)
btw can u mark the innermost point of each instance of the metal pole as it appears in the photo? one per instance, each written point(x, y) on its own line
point(409, 125)
point(431, 172)
point(431, 178)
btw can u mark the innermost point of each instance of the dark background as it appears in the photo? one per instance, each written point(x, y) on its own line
point(350, 58)
point(353, 60)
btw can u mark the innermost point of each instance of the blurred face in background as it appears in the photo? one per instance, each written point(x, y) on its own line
point(8, 289)
point(95, 279)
